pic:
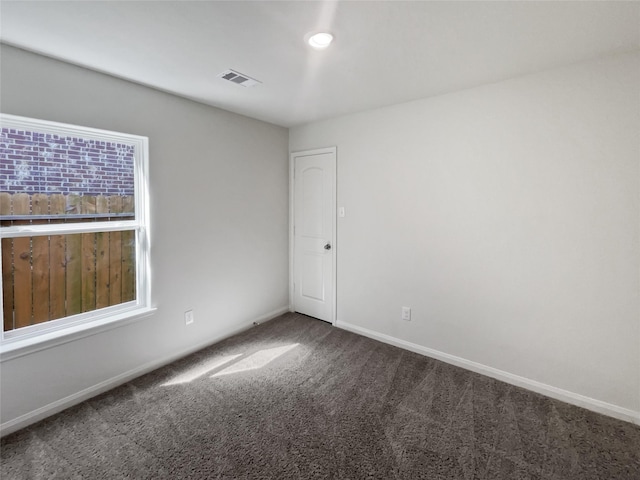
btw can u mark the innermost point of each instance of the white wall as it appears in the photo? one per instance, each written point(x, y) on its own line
point(219, 219)
point(507, 217)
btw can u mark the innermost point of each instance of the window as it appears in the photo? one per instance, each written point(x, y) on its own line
point(74, 231)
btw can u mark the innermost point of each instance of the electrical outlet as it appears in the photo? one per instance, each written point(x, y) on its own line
point(188, 317)
point(406, 313)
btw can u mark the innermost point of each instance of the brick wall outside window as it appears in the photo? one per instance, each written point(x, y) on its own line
point(32, 162)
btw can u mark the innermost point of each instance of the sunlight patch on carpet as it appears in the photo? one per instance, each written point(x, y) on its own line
point(256, 360)
point(199, 370)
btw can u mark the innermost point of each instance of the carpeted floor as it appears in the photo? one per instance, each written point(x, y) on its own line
point(297, 398)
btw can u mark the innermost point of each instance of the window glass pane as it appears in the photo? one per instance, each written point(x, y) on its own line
point(50, 277)
point(65, 177)
point(43, 208)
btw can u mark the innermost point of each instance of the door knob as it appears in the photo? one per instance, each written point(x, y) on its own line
point(327, 246)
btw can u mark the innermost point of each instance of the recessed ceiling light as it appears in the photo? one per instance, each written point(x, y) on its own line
point(320, 40)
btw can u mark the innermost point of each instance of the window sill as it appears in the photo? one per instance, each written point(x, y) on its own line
point(16, 348)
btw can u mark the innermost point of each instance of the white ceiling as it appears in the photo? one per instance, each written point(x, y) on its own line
point(384, 52)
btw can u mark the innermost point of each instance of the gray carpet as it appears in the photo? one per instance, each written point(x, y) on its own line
point(300, 399)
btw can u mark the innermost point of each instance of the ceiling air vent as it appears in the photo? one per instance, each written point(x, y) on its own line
point(239, 78)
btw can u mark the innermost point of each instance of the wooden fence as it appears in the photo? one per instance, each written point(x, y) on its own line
point(54, 276)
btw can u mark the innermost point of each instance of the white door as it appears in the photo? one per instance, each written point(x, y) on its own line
point(314, 252)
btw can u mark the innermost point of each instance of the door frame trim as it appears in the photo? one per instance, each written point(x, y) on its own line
point(334, 243)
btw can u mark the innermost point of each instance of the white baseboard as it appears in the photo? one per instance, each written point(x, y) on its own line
point(548, 390)
point(41, 413)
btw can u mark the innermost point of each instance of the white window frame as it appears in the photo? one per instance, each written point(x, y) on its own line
point(44, 335)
